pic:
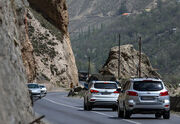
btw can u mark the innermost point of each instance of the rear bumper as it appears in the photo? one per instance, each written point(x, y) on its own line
point(147, 108)
point(104, 104)
point(148, 111)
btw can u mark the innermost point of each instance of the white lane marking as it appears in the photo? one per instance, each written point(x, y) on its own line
point(69, 106)
point(100, 113)
point(131, 121)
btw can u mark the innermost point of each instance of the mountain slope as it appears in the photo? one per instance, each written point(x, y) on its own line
point(158, 27)
point(85, 13)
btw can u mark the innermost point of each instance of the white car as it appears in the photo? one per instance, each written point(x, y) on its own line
point(144, 96)
point(43, 89)
point(34, 89)
point(101, 94)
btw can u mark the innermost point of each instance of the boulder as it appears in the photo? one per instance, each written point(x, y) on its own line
point(129, 63)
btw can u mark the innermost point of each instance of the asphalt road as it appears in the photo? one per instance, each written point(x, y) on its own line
point(59, 109)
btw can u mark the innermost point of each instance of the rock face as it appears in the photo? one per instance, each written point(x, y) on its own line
point(129, 63)
point(15, 105)
point(52, 52)
point(54, 10)
point(53, 56)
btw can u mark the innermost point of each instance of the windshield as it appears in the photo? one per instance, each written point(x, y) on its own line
point(105, 86)
point(148, 86)
point(33, 86)
point(41, 86)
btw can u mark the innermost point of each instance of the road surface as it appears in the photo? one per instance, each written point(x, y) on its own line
point(59, 109)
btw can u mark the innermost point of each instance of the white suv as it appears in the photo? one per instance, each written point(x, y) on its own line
point(101, 94)
point(144, 96)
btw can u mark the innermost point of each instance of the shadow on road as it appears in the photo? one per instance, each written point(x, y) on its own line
point(145, 118)
point(97, 110)
point(103, 110)
point(138, 118)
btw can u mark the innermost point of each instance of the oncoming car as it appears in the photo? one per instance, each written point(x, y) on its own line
point(144, 96)
point(43, 89)
point(34, 89)
point(101, 94)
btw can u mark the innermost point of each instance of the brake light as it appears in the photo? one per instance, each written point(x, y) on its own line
point(132, 93)
point(92, 100)
point(164, 93)
point(94, 91)
point(166, 106)
point(116, 92)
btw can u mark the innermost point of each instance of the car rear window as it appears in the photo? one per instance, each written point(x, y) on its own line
point(105, 86)
point(148, 86)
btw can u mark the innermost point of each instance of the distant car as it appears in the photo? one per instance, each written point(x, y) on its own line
point(43, 89)
point(101, 94)
point(144, 96)
point(34, 89)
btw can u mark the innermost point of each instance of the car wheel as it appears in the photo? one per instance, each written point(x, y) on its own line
point(127, 114)
point(120, 113)
point(89, 107)
point(85, 106)
point(114, 108)
point(166, 115)
point(157, 115)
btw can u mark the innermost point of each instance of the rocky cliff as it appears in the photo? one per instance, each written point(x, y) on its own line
point(129, 63)
point(15, 105)
point(47, 30)
point(31, 50)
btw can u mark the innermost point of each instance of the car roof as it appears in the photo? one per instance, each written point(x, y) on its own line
point(145, 79)
point(103, 81)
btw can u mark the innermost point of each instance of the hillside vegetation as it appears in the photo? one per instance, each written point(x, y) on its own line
point(159, 29)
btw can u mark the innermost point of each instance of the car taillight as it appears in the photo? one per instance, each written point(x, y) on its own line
point(132, 93)
point(116, 92)
point(166, 106)
point(94, 91)
point(164, 93)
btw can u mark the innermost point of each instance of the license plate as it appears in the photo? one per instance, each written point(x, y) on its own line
point(148, 98)
point(105, 93)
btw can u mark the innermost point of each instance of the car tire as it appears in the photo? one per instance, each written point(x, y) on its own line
point(157, 115)
point(114, 108)
point(126, 114)
point(85, 106)
point(120, 113)
point(166, 115)
point(89, 107)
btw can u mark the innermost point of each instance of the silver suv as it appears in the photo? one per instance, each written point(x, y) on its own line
point(101, 94)
point(144, 96)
